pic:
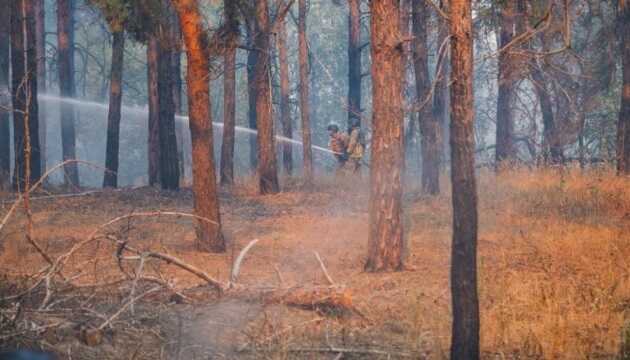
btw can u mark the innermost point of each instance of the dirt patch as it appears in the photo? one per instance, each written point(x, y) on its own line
point(552, 272)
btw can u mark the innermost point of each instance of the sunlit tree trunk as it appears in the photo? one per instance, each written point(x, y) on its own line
point(229, 93)
point(5, 94)
point(169, 164)
point(154, 111)
point(623, 127)
point(206, 202)
point(385, 239)
point(465, 302)
point(110, 179)
point(304, 92)
point(430, 126)
point(40, 35)
point(354, 60)
point(65, 65)
point(505, 149)
point(24, 90)
point(285, 106)
point(267, 169)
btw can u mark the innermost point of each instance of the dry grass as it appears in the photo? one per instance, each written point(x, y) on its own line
point(553, 250)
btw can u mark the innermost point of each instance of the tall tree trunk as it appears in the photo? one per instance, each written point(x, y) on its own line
point(406, 8)
point(252, 60)
point(177, 102)
point(304, 92)
point(177, 93)
point(552, 151)
point(439, 106)
point(153, 50)
point(430, 126)
point(110, 179)
point(229, 93)
point(24, 89)
point(206, 201)
point(229, 116)
point(5, 94)
point(65, 64)
point(169, 164)
point(267, 169)
point(465, 332)
point(623, 127)
point(40, 35)
point(385, 239)
point(505, 149)
point(285, 106)
point(354, 61)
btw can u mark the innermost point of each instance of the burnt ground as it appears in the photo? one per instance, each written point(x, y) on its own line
point(551, 253)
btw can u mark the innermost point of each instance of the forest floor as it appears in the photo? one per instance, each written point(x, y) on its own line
point(553, 257)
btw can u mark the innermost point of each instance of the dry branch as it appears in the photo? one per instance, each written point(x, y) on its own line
point(325, 300)
point(37, 185)
point(321, 264)
point(333, 349)
point(179, 263)
point(239, 259)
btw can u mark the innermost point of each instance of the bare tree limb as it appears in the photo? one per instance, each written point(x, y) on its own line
point(237, 263)
point(321, 264)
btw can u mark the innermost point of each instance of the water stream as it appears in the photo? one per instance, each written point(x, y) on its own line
point(91, 130)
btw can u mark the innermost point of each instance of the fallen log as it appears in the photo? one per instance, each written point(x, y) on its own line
point(331, 301)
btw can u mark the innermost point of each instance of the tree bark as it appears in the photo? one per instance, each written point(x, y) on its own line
point(285, 106)
point(385, 240)
point(430, 126)
point(5, 94)
point(552, 150)
point(465, 302)
point(40, 35)
point(354, 61)
point(209, 236)
point(304, 92)
point(267, 169)
point(623, 127)
point(252, 59)
point(505, 149)
point(229, 93)
point(110, 178)
point(65, 64)
point(153, 50)
point(439, 106)
point(24, 80)
point(176, 63)
point(169, 164)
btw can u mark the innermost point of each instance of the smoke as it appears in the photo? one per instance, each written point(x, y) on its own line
point(91, 130)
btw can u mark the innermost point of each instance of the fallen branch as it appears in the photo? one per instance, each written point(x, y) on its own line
point(333, 349)
point(239, 259)
point(321, 264)
point(279, 274)
point(325, 300)
point(179, 263)
point(125, 306)
point(60, 196)
point(38, 184)
point(61, 260)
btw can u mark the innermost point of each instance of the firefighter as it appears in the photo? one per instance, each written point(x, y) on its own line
point(355, 148)
point(338, 144)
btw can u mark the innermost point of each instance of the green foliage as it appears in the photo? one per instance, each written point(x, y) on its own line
point(140, 18)
point(115, 12)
